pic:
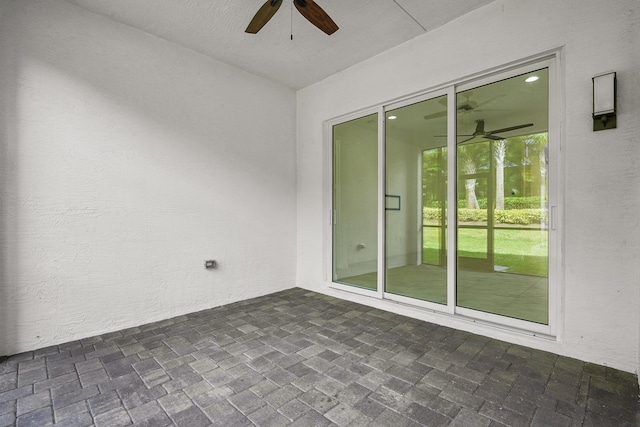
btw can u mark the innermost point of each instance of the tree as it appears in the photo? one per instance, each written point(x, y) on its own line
point(470, 183)
point(499, 152)
point(525, 154)
point(471, 157)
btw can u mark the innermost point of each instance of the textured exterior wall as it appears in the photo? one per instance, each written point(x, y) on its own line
point(127, 161)
point(601, 192)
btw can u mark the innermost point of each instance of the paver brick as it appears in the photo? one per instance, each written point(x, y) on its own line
point(121, 367)
point(312, 418)
point(40, 417)
point(282, 396)
point(104, 402)
point(293, 410)
point(174, 403)
point(60, 401)
point(318, 400)
point(97, 376)
point(114, 417)
point(141, 395)
point(78, 419)
point(70, 411)
point(32, 402)
point(7, 407)
point(8, 381)
point(246, 401)
point(15, 393)
point(30, 377)
point(88, 365)
point(7, 420)
point(146, 411)
point(268, 417)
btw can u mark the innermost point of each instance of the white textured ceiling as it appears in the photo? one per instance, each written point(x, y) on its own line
point(216, 28)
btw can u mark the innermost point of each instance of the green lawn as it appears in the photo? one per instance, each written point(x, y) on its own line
point(520, 251)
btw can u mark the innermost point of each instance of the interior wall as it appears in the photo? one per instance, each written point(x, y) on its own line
point(600, 178)
point(126, 162)
point(402, 231)
point(356, 172)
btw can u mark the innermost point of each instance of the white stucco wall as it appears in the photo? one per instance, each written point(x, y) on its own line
point(3, 6)
point(601, 193)
point(125, 162)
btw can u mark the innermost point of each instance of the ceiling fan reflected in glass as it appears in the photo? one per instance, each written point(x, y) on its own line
point(488, 134)
point(307, 8)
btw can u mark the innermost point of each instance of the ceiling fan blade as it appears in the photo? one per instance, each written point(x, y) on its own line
point(435, 115)
point(481, 110)
point(316, 15)
point(466, 140)
point(264, 14)
point(494, 137)
point(511, 128)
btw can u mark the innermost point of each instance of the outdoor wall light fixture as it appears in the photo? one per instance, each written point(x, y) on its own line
point(604, 101)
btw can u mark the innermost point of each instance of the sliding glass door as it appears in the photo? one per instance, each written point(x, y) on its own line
point(446, 200)
point(502, 217)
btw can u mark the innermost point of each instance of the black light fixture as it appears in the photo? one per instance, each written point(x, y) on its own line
point(604, 101)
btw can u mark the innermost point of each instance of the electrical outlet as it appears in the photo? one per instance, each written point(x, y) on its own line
point(210, 264)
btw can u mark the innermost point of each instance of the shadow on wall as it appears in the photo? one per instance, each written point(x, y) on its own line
point(8, 189)
point(112, 145)
point(9, 192)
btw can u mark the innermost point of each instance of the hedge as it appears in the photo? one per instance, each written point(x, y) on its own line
point(532, 202)
point(511, 216)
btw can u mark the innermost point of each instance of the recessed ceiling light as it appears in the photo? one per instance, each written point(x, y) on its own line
point(531, 79)
point(392, 117)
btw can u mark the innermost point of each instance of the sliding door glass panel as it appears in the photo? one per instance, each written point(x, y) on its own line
point(502, 192)
point(416, 194)
point(355, 202)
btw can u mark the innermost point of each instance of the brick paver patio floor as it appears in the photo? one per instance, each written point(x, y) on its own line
point(304, 359)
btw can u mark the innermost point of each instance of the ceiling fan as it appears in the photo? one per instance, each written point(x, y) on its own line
point(308, 8)
point(465, 107)
point(491, 134)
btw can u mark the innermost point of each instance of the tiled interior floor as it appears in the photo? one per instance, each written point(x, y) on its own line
point(514, 295)
point(304, 359)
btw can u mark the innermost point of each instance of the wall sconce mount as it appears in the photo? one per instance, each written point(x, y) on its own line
point(604, 101)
